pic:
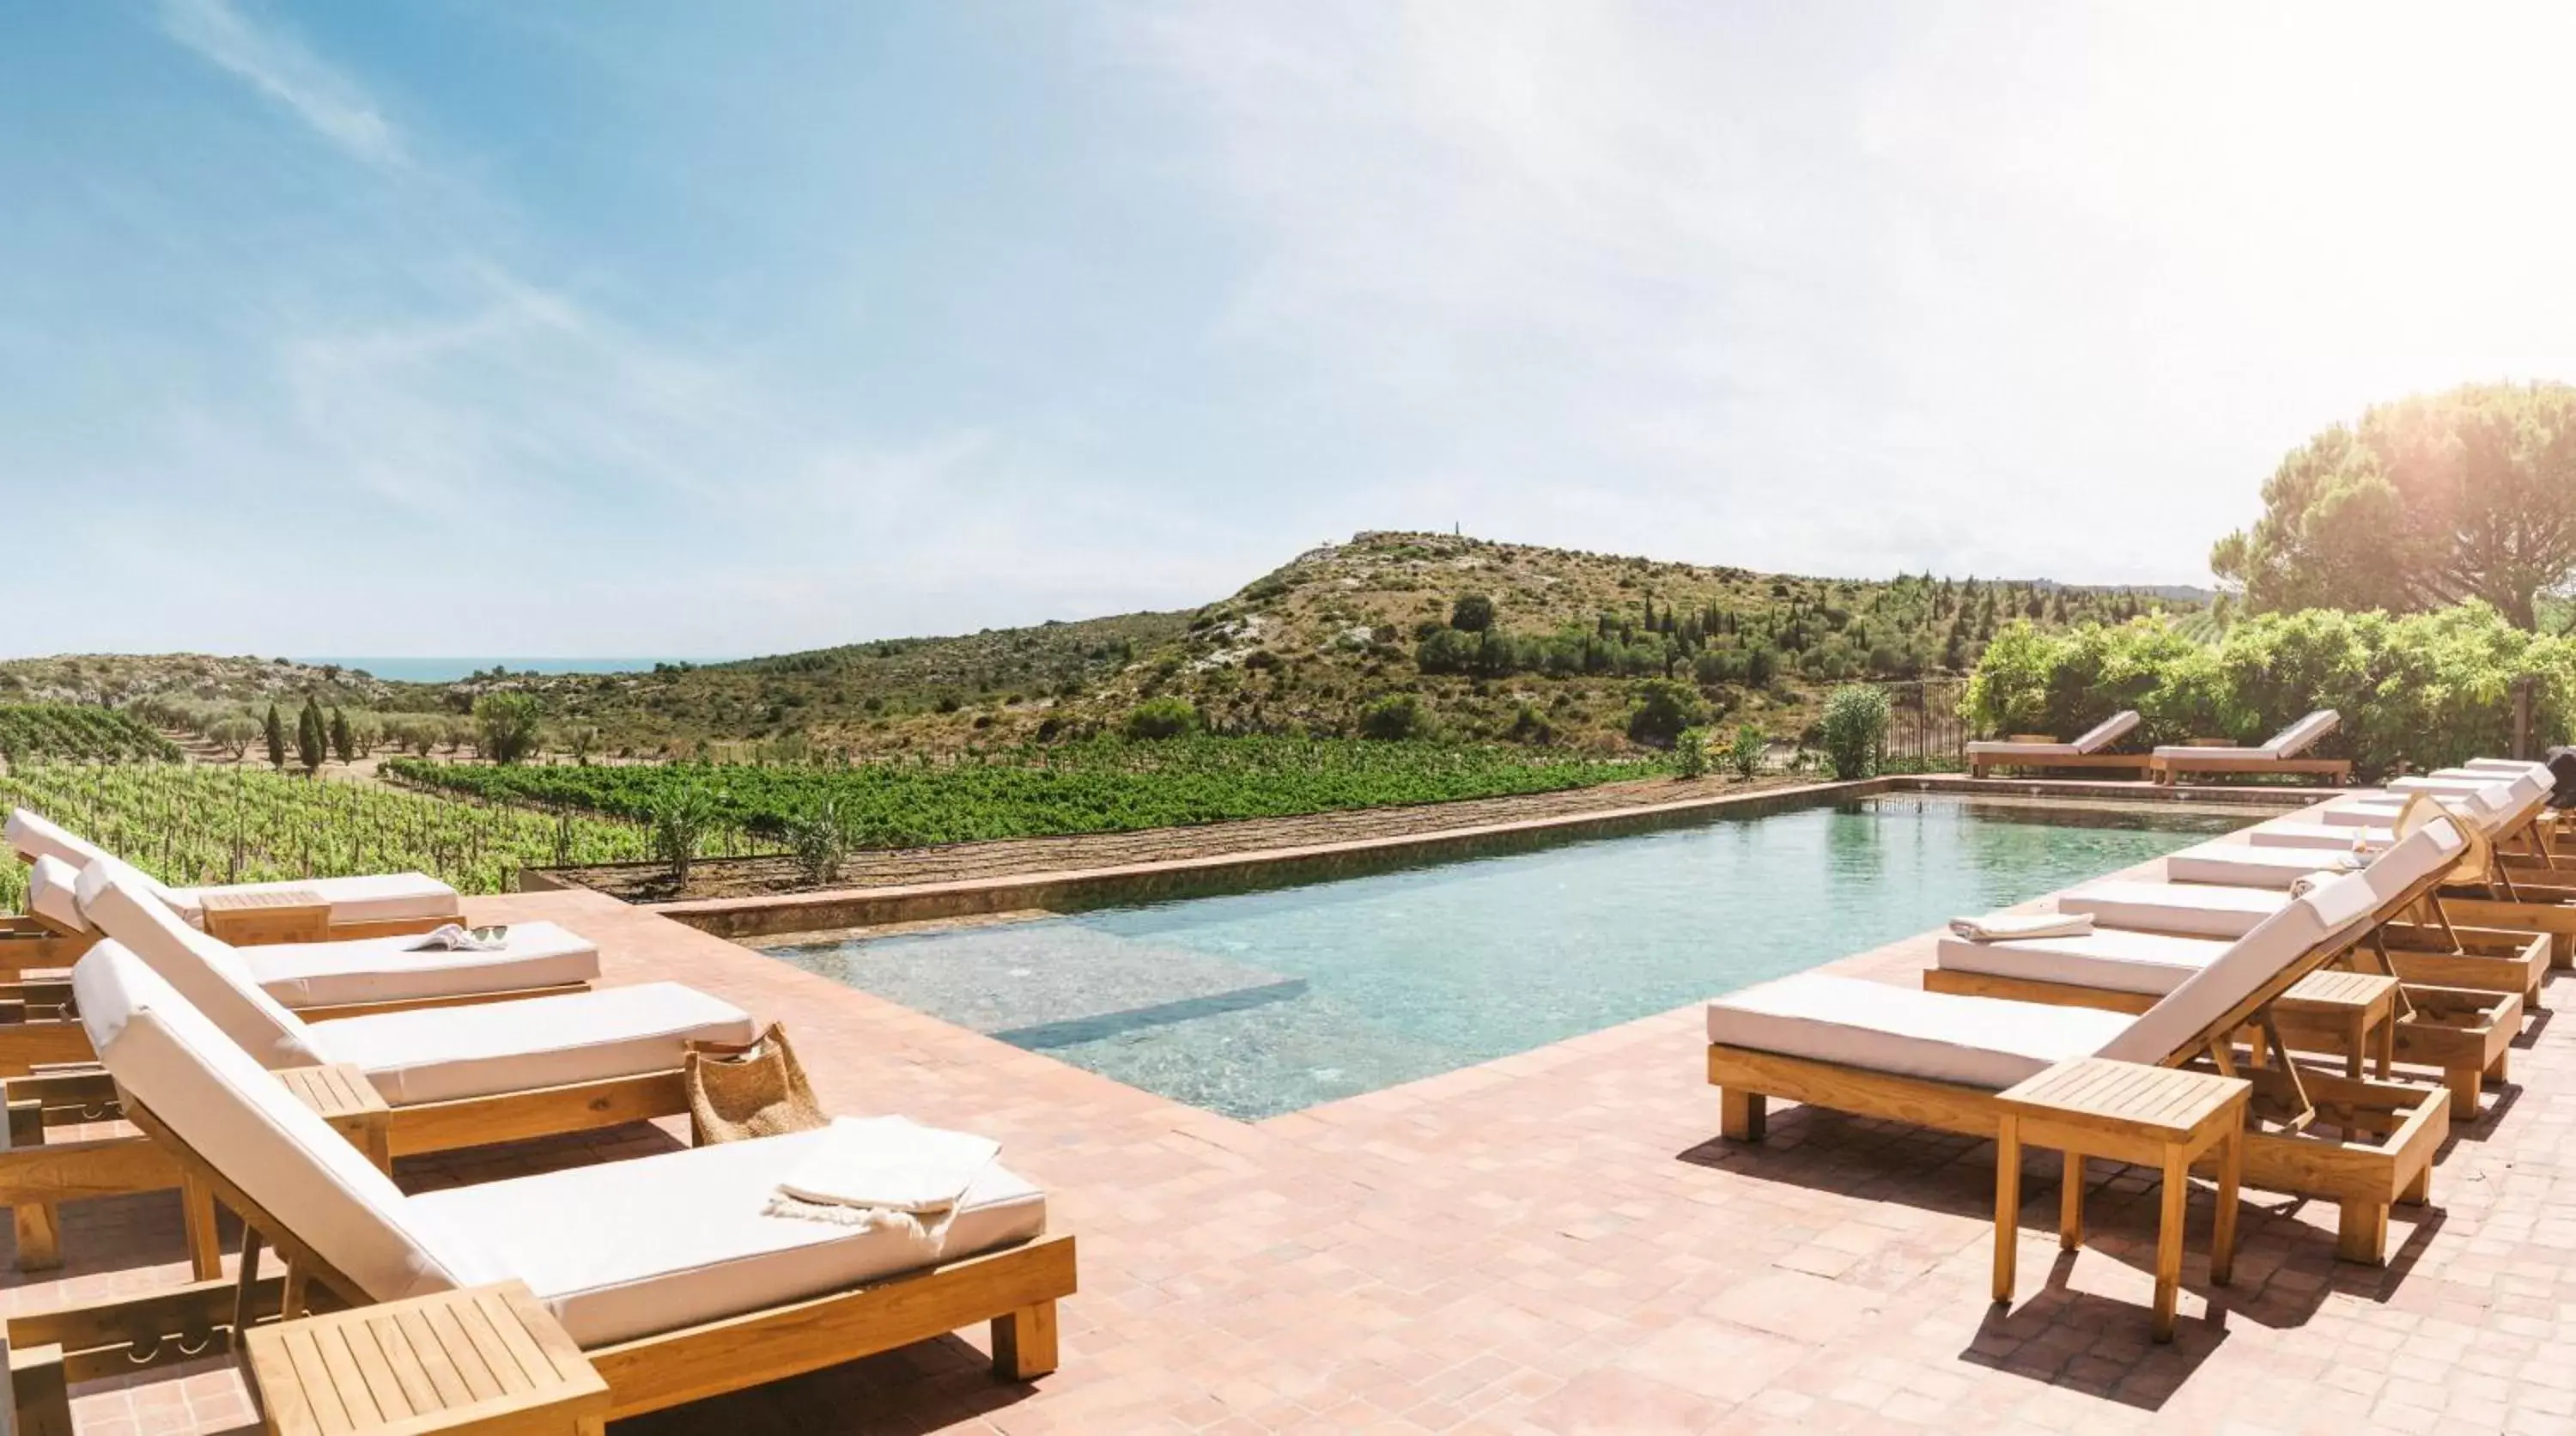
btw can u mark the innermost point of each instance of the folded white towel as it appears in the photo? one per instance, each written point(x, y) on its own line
point(880, 1166)
point(2006, 926)
point(452, 938)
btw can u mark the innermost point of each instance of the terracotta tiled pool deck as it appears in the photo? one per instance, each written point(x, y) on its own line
point(1558, 1242)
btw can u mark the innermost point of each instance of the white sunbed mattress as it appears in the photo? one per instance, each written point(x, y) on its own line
point(376, 897)
point(2111, 959)
point(444, 1053)
point(2231, 864)
point(1975, 1041)
point(2191, 910)
point(627, 1249)
point(387, 969)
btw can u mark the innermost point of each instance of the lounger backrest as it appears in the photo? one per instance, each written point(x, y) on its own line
point(202, 968)
point(172, 1059)
point(2107, 732)
point(2180, 1019)
point(2301, 734)
point(2331, 911)
point(33, 837)
point(53, 893)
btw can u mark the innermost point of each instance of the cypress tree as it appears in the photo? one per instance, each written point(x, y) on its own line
point(312, 740)
point(344, 744)
point(276, 734)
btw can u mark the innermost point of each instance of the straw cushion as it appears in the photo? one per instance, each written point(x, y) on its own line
point(631, 1248)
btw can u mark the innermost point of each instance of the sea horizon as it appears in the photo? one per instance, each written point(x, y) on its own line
point(447, 669)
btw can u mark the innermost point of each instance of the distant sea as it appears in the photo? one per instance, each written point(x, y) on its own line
point(448, 670)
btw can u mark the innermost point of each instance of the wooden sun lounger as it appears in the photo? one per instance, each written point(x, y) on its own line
point(1979, 764)
point(2165, 768)
point(39, 1028)
point(35, 1177)
point(2389, 1132)
point(1015, 1289)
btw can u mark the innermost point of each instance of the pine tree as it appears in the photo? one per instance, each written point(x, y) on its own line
point(276, 734)
point(312, 739)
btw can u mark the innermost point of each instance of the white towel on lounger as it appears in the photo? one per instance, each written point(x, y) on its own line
point(2006, 926)
point(880, 1169)
point(2301, 887)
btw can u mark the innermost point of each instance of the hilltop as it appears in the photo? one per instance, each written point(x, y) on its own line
point(1491, 640)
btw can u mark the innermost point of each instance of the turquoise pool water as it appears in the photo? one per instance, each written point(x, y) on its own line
point(1259, 1003)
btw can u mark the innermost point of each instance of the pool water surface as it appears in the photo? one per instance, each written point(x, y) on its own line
point(1258, 1003)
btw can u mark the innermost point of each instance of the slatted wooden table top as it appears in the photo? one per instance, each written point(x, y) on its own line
point(2131, 1096)
point(338, 1091)
point(2320, 991)
point(262, 900)
point(485, 1359)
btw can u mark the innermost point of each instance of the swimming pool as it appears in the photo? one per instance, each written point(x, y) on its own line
point(1258, 1003)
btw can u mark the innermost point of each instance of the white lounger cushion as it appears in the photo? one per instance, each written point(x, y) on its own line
point(387, 969)
point(1879, 1027)
point(2201, 910)
point(53, 893)
point(2314, 836)
point(2510, 767)
point(2246, 865)
point(371, 897)
point(2188, 909)
point(384, 897)
point(245, 1123)
point(1991, 1043)
point(628, 1249)
point(2111, 959)
point(2100, 736)
point(440, 1054)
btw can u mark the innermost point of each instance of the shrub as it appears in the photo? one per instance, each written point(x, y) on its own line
point(1690, 752)
point(1853, 728)
point(1664, 708)
point(677, 824)
point(1472, 613)
point(821, 838)
point(1532, 727)
point(1162, 718)
point(1745, 754)
point(506, 725)
point(1395, 717)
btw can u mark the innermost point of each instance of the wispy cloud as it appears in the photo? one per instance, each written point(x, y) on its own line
point(272, 58)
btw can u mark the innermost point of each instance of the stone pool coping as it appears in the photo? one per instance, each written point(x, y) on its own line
point(776, 913)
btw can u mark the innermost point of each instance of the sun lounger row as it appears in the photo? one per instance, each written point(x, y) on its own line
point(1938, 1057)
point(2283, 752)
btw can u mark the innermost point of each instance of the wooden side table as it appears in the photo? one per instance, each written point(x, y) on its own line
point(350, 1103)
point(2358, 1010)
point(267, 915)
point(486, 1359)
point(2153, 1116)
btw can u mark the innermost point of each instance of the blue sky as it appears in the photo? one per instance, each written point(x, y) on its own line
point(679, 328)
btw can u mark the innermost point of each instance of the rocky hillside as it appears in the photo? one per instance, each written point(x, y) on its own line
point(1471, 639)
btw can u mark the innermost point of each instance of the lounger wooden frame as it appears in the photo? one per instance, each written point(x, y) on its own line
point(2390, 1131)
point(29, 944)
point(1979, 764)
point(2464, 1034)
point(2165, 767)
point(1014, 1288)
point(36, 1177)
point(38, 1024)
